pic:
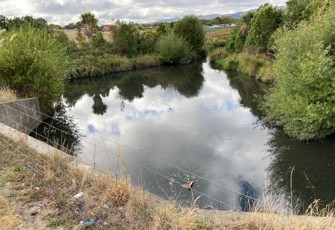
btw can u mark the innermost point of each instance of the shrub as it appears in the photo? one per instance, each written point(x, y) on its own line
point(33, 64)
point(126, 38)
point(217, 54)
point(98, 39)
point(191, 29)
point(302, 101)
point(173, 49)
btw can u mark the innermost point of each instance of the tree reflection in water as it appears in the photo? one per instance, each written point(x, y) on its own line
point(59, 131)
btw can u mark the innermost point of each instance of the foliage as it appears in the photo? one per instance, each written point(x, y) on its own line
point(236, 40)
point(264, 23)
point(89, 22)
point(303, 100)
point(147, 42)
point(3, 22)
point(126, 38)
point(33, 64)
point(98, 39)
point(173, 49)
point(295, 12)
point(163, 29)
point(217, 54)
point(218, 20)
point(17, 22)
point(246, 18)
point(191, 29)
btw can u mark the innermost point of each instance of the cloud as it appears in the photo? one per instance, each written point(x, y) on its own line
point(66, 11)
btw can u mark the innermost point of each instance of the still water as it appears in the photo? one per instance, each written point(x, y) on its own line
point(170, 125)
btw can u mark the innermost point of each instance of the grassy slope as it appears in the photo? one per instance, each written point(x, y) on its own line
point(41, 190)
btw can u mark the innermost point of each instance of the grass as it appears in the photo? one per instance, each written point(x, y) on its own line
point(7, 95)
point(216, 38)
point(45, 187)
point(91, 65)
point(255, 65)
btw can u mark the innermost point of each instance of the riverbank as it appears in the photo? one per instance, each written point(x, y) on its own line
point(90, 65)
point(43, 192)
point(258, 66)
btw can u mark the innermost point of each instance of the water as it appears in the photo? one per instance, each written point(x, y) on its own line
point(168, 126)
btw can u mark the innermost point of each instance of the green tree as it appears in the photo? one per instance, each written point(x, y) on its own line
point(303, 100)
point(173, 49)
point(126, 39)
point(33, 64)
point(147, 42)
point(89, 22)
point(265, 22)
point(3, 22)
point(295, 12)
point(191, 29)
point(17, 22)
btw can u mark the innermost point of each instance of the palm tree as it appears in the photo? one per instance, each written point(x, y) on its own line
point(89, 22)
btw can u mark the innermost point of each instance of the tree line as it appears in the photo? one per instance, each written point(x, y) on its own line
point(298, 41)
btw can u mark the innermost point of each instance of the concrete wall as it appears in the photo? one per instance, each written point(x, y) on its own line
point(22, 115)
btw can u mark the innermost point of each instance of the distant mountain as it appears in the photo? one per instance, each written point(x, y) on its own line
point(236, 15)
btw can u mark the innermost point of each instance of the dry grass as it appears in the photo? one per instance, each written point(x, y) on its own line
point(42, 189)
point(7, 94)
point(213, 35)
point(73, 34)
point(8, 219)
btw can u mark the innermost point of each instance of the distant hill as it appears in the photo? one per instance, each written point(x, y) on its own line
point(236, 15)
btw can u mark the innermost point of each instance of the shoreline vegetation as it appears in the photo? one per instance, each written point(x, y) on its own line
point(291, 49)
point(38, 192)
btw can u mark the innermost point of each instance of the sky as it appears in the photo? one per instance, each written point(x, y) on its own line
point(62, 12)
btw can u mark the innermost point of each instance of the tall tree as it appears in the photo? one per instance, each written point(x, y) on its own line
point(191, 29)
point(295, 12)
point(89, 22)
point(266, 20)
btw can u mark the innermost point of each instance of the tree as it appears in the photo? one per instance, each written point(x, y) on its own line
point(3, 22)
point(16, 22)
point(295, 12)
point(191, 29)
point(32, 63)
point(264, 23)
point(126, 39)
point(303, 100)
point(89, 22)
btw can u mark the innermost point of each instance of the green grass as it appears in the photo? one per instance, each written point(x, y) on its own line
point(255, 65)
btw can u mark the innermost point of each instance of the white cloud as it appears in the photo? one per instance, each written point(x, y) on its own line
point(65, 11)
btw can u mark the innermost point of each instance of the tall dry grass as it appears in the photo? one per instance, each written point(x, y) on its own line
point(7, 95)
point(33, 179)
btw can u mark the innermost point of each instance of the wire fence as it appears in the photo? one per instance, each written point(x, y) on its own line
point(180, 181)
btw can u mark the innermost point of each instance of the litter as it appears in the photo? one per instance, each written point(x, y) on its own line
point(189, 185)
point(88, 223)
point(43, 205)
point(80, 194)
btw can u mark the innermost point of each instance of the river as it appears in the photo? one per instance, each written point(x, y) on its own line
point(171, 125)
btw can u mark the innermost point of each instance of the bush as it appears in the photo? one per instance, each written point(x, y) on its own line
point(33, 64)
point(173, 49)
point(191, 29)
point(302, 101)
point(126, 39)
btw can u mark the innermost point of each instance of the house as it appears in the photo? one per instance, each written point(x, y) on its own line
point(107, 27)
